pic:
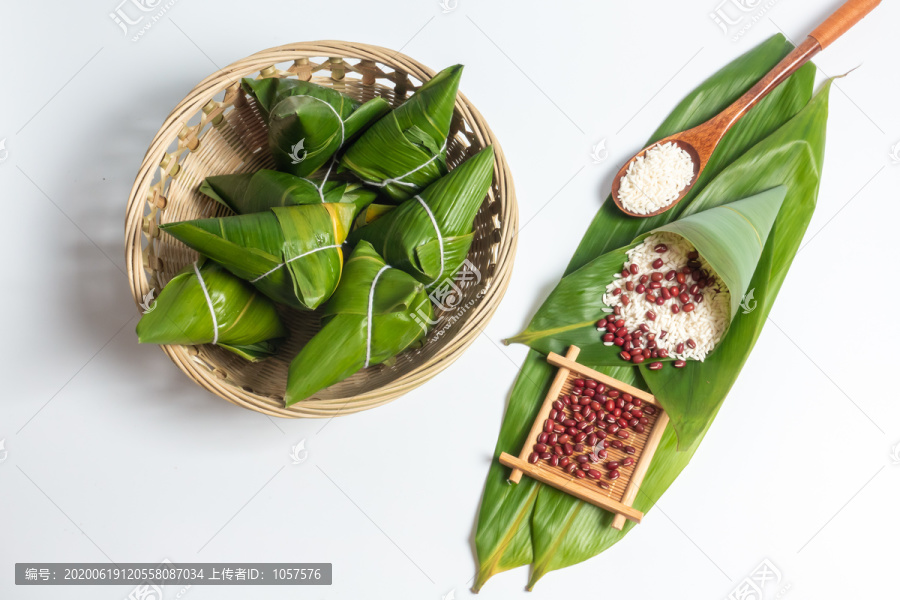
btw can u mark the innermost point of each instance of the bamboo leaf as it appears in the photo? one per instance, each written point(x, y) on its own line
point(609, 231)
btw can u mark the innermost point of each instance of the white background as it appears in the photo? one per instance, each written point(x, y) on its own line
point(113, 454)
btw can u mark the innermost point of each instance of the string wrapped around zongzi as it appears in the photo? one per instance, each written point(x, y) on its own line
point(406, 150)
point(292, 254)
point(429, 235)
point(308, 123)
point(376, 313)
point(255, 192)
point(205, 304)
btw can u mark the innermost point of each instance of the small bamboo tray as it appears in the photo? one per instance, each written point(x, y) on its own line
point(622, 491)
point(217, 129)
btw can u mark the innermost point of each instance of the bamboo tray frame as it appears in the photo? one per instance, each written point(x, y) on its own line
point(218, 129)
point(620, 497)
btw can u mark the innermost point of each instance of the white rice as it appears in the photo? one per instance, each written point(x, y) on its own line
point(706, 324)
point(654, 180)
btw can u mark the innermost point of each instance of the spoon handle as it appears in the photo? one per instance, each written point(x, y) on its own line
point(845, 17)
point(848, 15)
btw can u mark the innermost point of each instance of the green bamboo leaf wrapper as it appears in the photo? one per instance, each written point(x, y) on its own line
point(730, 237)
point(247, 322)
point(557, 541)
point(291, 254)
point(256, 192)
point(309, 123)
point(399, 309)
point(408, 144)
point(433, 251)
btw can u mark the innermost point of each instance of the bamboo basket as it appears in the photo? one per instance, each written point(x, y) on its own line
point(217, 129)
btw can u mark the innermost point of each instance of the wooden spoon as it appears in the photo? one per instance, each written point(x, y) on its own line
point(701, 141)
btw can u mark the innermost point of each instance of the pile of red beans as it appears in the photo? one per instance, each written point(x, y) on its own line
point(584, 425)
point(680, 289)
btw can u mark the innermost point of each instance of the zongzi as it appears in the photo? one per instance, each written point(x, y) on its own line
point(255, 192)
point(429, 235)
point(205, 304)
point(292, 254)
point(376, 313)
point(405, 150)
point(308, 123)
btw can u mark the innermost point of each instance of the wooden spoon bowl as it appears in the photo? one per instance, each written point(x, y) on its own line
point(682, 140)
point(701, 141)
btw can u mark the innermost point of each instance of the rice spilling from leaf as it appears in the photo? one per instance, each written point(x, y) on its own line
point(654, 180)
point(705, 325)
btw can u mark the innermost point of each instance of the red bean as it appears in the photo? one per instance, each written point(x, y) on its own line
point(626, 273)
point(633, 268)
point(651, 315)
point(599, 453)
point(619, 341)
point(627, 461)
point(630, 450)
point(557, 428)
point(670, 275)
point(641, 288)
point(637, 359)
point(571, 468)
point(616, 444)
point(638, 428)
point(558, 450)
point(663, 353)
point(613, 475)
point(579, 474)
point(657, 264)
point(629, 286)
point(579, 447)
point(551, 439)
point(543, 438)
point(594, 474)
point(601, 434)
point(679, 364)
point(612, 465)
point(592, 439)
point(675, 309)
point(660, 248)
point(582, 458)
point(554, 460)
point(622, 434)
point(568, 449)
point(655, 366)
point(666, 294)
point(590, 383)
point(694, 289)
point(688, 307)
point(534, 457)
point(622, 423)
point(617, 412)
point(564, 461)
point(548, 425)
point(693, 255)
point(579, 383)
point(691, 344)
point(613, 394)
point(643, 420)
point(608, 338)
point(564, 438)
point(651, 298)
point(644, 327)
point(580, 437)
point(610, 405)
point(650, 410)
point(603, 485)
point(680, 278)
point(546, 455)
point(679, 348)
point(637, 413)
point(684, 298)
point(540, 448)
point(655, 285)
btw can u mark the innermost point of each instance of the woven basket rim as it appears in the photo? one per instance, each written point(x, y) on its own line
point(199, 97)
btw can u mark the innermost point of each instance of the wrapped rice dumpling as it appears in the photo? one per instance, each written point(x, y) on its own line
point(429, 235)
point(406, 150)
point(255, 192)
point(376, 313)
point(292, 254)
point(205, 304)
point(308, 123)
